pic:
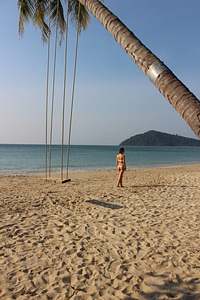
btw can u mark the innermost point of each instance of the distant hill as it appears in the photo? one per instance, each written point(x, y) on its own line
point(156, 138)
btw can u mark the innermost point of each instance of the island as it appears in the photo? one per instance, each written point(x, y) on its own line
point(156, 138)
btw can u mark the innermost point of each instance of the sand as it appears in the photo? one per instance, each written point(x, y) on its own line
point(88, 239)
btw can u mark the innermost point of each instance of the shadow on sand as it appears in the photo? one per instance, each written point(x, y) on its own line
point(172, 290)
point(105, 204)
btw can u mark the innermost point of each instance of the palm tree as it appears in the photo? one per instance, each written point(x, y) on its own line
point(178, 95)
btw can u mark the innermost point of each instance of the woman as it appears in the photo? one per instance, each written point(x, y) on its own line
point(121, 166)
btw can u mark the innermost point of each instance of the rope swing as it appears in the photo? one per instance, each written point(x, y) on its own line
point(47, 100)
point(64, 96)
point(64, 91)
point(72, 99)
point(53, 90)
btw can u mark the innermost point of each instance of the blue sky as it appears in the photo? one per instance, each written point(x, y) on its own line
point(113, 98)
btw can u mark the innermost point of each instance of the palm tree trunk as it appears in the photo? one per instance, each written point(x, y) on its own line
point(178, 95)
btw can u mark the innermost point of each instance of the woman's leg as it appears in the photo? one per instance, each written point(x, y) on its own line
point(119, 183)
point(122, 172)
point(119, 178)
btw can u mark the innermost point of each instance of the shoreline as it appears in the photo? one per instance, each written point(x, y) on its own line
point(88, 239)
point(100, 170)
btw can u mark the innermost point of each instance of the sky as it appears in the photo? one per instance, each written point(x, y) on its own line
point(113, 99)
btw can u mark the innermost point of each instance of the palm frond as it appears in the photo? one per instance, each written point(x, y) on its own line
point(57, 17)
point(39, 18)
point(49, 14)
point(78, 14)
point(26, 11)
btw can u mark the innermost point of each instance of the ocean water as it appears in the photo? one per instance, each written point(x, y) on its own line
point(18, 159)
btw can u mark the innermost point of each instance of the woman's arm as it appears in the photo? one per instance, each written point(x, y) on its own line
point(124, 163)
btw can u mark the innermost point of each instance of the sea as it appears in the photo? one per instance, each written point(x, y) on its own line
point(24, 159)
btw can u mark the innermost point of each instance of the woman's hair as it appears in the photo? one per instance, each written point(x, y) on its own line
point(121, 150)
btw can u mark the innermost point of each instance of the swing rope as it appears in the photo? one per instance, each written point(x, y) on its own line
point(64, 93)
point(47, 100)
point(64, 90)
point(72, 99)
point(53, 89)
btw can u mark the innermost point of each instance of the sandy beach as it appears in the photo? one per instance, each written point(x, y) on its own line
point(88, 239)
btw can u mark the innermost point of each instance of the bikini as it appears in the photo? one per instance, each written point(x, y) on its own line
point(120, 161)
